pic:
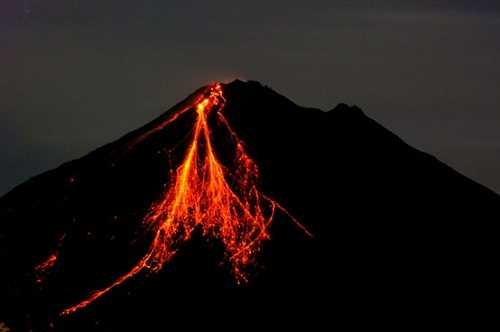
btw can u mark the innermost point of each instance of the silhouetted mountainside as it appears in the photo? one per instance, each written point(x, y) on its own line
point(389, 222)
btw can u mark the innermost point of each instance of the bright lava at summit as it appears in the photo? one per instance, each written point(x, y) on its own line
point(223, 202)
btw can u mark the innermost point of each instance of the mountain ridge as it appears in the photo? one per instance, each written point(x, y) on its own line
point(351, 110)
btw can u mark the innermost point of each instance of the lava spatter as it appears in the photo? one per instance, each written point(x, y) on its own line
point(223, 202)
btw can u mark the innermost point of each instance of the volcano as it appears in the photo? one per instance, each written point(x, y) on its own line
point(238, 187)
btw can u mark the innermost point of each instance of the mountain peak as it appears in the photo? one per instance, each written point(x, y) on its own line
point(237, 177)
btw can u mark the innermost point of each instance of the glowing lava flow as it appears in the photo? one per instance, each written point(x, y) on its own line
point(43, 268)
point(204, 195)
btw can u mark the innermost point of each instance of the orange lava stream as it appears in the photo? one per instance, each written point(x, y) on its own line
point(224, 205)
point(43, 268)
point(47, 264)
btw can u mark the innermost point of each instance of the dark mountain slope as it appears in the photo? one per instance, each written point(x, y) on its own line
point(389, 221)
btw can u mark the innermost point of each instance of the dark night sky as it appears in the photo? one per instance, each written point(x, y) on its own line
point(76, 74)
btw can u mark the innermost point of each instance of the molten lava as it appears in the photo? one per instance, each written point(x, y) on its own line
point(224, 203)
point(42, 269)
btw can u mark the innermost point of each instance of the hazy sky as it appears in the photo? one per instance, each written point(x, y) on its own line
point(76, 74)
